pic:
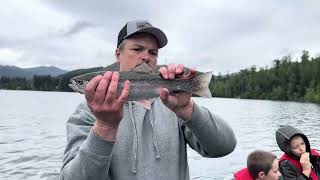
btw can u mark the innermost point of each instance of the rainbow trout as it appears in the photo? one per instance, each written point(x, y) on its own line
point(146, 84)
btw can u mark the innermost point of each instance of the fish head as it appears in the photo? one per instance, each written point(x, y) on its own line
point(78, 85)
point(78, 82)
point(85, 78)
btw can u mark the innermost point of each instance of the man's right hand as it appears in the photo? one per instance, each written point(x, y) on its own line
point(104, 103)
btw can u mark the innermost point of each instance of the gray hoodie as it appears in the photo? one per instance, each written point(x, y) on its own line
point(150, 144)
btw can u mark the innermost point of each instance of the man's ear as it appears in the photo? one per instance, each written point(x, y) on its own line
point(117, 54)
point(261, 175)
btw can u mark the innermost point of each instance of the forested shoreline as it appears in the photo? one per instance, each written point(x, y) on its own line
point(43, 82)
point(286, 80)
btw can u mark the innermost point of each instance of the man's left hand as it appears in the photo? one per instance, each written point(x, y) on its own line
point(180, 103)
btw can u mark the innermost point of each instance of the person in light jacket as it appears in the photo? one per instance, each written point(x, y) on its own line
point(109, 137)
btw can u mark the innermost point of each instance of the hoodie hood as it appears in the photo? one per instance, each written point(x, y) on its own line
point(284, 135)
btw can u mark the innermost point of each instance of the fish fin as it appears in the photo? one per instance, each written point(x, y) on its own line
point(142, 68)
point(201, 87)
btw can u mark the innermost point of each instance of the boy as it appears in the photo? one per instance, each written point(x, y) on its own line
point(261, 165)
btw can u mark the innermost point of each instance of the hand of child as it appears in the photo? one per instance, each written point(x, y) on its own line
point(305, 163)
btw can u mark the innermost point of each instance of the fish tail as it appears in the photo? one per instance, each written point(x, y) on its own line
point(201, 85)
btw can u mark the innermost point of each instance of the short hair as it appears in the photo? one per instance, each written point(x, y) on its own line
point(294, 137)
point(121, 45)
point(260, 160)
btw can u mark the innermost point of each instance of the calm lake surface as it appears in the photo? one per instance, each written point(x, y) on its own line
point(32, 132)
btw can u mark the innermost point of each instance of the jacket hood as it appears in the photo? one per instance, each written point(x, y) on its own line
point(284, 135)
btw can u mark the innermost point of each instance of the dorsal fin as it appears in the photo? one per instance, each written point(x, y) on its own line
point(142, 68)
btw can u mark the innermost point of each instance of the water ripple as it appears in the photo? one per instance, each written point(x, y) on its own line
point(33, 138)
point(23, 159)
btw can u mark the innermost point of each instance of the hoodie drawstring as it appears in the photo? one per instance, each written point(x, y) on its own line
point(155, 144)
point(135, 138)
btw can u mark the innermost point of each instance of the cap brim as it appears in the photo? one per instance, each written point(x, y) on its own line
point(157, 33)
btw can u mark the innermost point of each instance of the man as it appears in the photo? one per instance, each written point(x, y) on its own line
point(261, 165)
point(111, 138)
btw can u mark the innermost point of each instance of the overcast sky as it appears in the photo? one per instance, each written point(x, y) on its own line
point(210, 35)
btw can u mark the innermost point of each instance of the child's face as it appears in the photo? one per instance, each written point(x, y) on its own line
point(273, 173)
point(298, 146)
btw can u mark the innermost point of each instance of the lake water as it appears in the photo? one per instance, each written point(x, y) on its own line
point(32, 132)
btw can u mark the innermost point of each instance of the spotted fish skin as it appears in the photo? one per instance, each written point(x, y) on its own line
point(146, 84)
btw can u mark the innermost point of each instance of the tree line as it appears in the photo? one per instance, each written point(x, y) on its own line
point(286, 80)
point(43, 82)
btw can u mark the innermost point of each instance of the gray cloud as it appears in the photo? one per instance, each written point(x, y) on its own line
point(223, 35)
point(6, 42)
point(78, 27)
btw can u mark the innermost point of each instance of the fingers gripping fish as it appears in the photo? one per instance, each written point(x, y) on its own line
point(146, 84)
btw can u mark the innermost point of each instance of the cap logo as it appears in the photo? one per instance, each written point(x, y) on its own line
point(143, 25)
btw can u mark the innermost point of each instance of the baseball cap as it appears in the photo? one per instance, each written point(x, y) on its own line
point(139, 26)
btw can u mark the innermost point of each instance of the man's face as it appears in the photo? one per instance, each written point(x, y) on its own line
point(137, 49)
point(273, 173)
point(298, 146)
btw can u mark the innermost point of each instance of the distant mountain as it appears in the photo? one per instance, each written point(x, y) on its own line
point(13, 71)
